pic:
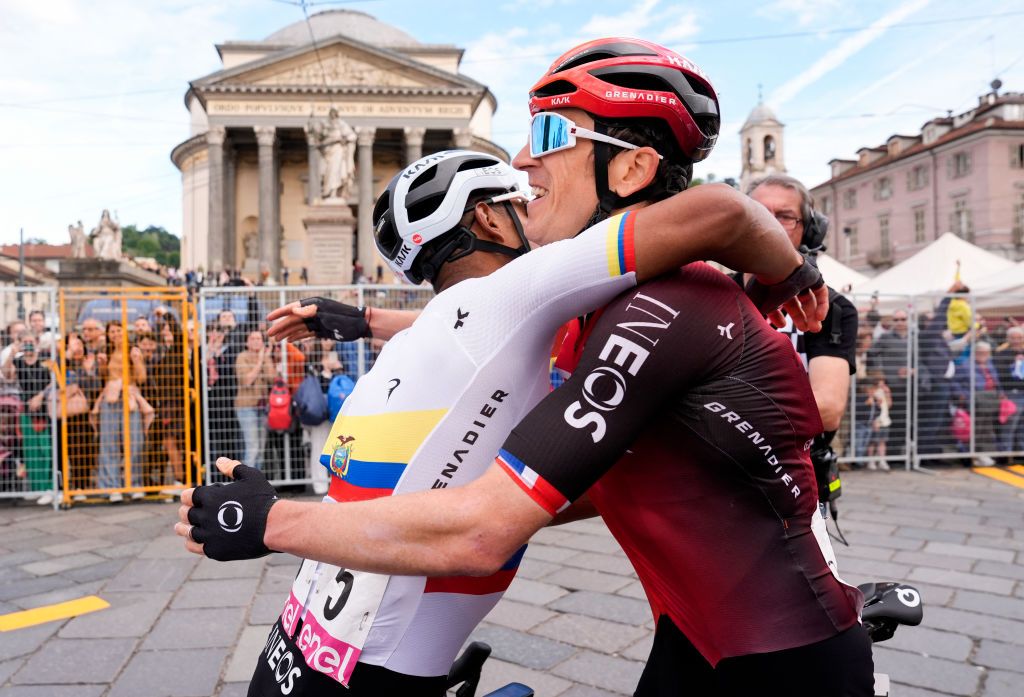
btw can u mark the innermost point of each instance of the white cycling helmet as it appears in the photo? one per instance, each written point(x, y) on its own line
point(417, 221)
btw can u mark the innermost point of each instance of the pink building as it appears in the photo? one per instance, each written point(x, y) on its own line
point(961, 174)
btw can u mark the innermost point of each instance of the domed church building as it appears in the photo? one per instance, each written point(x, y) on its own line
point(294, 137)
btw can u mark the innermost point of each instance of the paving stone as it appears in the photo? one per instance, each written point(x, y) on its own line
point(996, 654)
point(545, 552)
point(606, 672)
point(634, 589)
point(57, 565)
point(975, 625)
point(959, 579)
point(73, 661)
point(74, 546)
point(591, 526)
point(119, 551)
point(236, 592)
point(122, 517)
point(590, 633)
point(509, 613)
point(606, 607)
point(995, 568)
point(873, 527)
point(609, 563)
point(536, 568)
point(9, 668)
point(183, 673)
point(242, 659)
point(278, 580)
point(1003, 684)
point(971, 552)
point(586, 691)
point(862, 538)
point(166, 547)
point(69, 591)
point(534, 592)
point(871, 570)
point(96, 572)
point(207, 628)
point(932, 642)
point(998, 605)
point(935, 561)
point(152, 575)
point(30, 586)
point(641, 650)
point(955, 502)
point(266, 608)
point(129, 615)
point(113, 533)
point(552, 535)
point(12, 560)
point(935, 596)
point(498, 673)
point(582, 579)
point(931, 534)
point(931, 673)
point(902, 690)
point(997, 542)
point(591, 543)
point(208, 569)
point(521, 648)
point(283, 559)
point(54, 690)
point(24, 641)
point(234, 689)
point(860, 551)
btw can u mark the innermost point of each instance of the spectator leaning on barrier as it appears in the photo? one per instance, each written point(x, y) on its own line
point(987, 392)
point(81, 386)
point(935, 379)
point(1009, 362)
point(889, 355)
point(255, 373)
point(27, 366)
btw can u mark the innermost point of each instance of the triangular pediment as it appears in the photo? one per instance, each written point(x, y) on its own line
point(339, 63)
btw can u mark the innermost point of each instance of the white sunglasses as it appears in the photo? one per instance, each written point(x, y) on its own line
point(550, 132)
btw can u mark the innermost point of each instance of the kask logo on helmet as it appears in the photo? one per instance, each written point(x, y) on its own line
point(420, 164)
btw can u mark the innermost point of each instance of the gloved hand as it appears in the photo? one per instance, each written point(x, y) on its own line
point(803, 293)
point(338, 321)
point(230, 520)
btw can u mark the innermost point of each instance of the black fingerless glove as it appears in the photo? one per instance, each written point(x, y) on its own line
point(338, 321)
point(231, 519)
point(769, 298)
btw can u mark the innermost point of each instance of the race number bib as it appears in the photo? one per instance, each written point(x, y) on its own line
point(340, 608)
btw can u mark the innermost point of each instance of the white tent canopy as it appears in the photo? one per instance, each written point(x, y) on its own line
point(933, 269)
point(837, 274)
point(1010, 280)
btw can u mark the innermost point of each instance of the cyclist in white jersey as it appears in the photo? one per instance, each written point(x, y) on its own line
point(443, 396)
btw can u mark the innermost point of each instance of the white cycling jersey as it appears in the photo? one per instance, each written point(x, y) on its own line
point(433, 412)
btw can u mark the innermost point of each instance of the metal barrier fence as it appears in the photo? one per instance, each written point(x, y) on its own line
point(126, 402)
point(28, 420)
point(241, 368)
point(940, 379)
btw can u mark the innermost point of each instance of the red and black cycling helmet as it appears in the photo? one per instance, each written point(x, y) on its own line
point(621, 78)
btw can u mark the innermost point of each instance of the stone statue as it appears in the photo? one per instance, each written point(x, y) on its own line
point(106, 237)
point(336, 142)
point(78, 240)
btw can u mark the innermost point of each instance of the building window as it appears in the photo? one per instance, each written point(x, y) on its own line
point(883, 189)
point(884, 243)
point(960, 221)
point(851, 236)
point(1017, 156)
point(826, 205)
point(919, 224)
point(850, 198)
point(959, 165)
point(1018, 222)
point(917, 177)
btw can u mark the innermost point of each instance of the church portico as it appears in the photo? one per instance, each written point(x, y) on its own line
point(297, 149)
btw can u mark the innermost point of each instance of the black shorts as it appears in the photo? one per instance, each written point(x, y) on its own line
point(281, 671)
point(837, 667)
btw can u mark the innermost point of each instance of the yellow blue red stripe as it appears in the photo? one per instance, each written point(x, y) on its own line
point(621, 252)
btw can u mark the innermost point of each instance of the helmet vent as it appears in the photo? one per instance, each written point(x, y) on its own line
point(425, 207)
point(423, 177)
point(605, 51)
point(474, 164)
point(555, 88)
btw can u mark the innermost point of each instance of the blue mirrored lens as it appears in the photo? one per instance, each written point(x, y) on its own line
point(548, 132)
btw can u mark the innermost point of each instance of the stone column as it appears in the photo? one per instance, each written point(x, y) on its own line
point(215, 138)
point(413, 143)
point(230, 232)
point(462, 137)
point(313, 153)
point(270, 223)
point(364, 172)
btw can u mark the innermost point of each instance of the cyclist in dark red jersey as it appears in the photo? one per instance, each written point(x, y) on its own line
point(696, 414)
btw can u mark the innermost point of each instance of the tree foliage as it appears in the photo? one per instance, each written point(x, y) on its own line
point(154, 241)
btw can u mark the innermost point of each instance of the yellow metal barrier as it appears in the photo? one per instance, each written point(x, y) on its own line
point(128, 401)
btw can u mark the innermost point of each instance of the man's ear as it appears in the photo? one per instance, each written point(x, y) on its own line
point(632, 170)
point(491, 225)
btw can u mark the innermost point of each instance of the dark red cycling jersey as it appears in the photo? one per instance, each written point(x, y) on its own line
point(689, 421)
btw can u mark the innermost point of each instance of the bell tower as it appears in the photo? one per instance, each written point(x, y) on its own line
point(761, 138)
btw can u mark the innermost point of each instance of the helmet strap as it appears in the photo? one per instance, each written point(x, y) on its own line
point(464, 242)
point(608, 200)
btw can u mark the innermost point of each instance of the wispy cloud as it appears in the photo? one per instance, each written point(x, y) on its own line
point(805, 12)
point(841, 53)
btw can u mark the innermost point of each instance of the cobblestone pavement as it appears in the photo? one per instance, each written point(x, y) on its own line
point(574, 623)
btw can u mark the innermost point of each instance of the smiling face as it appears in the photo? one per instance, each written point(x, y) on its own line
point(565, 193)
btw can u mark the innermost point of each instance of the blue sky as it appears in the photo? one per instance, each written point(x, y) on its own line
point(91, 90)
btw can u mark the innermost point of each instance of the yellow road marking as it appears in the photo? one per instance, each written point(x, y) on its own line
point(1019, 469)
point(49, 613)
point(1001, 475)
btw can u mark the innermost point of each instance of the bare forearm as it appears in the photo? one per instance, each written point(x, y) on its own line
point(385, 323)
point(713, 222)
